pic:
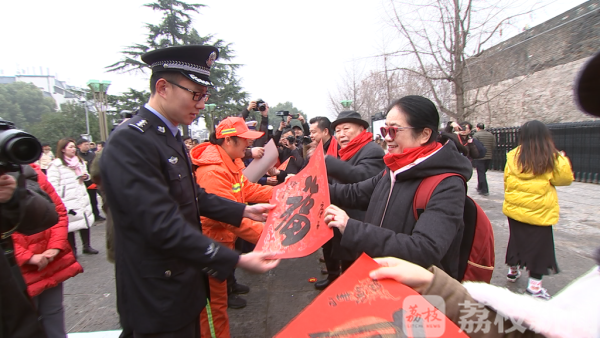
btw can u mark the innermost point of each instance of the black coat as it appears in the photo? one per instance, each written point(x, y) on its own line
point(366, 163)
point(161, 256)
point(390, 228)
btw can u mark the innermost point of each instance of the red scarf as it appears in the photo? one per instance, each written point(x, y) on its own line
point(355, 145)
point(409, 155)
point(333, 148)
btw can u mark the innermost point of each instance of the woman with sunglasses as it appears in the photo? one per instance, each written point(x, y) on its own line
point(390, 227)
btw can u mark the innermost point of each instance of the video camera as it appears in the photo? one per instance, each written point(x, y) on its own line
point(16, 148)
point(284, 114)
point(260, 105)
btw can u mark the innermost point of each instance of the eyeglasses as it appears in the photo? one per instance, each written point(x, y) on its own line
point(392, 130)
point(197, 96)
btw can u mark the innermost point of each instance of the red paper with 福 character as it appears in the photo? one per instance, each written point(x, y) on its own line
point(356, 306)
point(295, 228)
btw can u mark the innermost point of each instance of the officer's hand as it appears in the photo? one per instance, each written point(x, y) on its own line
point(404, 272)
point(257, 262)
point(251, 105)
point(257, 152)
point(7, 187)
point(258, 212)
point(40, 260)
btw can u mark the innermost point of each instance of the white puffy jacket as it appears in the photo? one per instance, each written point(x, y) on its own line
point(73, 194)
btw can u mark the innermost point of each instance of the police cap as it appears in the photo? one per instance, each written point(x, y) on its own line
point(193, 61)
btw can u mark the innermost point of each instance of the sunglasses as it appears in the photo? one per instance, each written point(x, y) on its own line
point(392, 131)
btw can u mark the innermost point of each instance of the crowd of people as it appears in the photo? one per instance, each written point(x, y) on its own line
point(182, 216)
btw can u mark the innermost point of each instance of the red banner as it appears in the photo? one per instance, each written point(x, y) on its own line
point(356, 306)
point(295, 228)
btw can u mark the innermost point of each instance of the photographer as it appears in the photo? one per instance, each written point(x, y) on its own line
point(288, 149)
point(301, 134)
point(26, 208)
point(263, 108)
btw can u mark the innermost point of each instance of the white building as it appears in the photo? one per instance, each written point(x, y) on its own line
point(48, 84)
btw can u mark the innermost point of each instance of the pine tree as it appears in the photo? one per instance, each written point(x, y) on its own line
point(176, 30)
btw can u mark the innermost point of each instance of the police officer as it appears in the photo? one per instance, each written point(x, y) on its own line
point(162, 259)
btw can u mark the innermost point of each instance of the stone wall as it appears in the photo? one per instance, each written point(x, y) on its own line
point(546, 95)
point(531, 75)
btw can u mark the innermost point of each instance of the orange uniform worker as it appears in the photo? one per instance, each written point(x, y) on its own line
point(219, 171)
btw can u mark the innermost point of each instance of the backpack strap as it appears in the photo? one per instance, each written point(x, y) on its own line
point(425, 190)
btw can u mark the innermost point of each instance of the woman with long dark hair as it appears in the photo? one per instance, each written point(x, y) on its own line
point(532, 171)
point(66, 174)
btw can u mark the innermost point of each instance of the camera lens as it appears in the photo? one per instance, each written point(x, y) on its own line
point(23, 149)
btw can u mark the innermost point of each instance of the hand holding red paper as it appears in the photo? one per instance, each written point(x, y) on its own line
point(295, 227)
point(404, 272)
point(257, 262)
point(258, 212)
point(336, 218)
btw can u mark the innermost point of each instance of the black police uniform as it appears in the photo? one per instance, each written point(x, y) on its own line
point(161, 256)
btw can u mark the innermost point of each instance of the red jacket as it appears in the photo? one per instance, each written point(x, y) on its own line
point(64, 265)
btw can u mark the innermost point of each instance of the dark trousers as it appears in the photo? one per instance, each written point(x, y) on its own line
point(94, 202)
point(192, 330)
point(482, 167)
point(50, 309)
point(85, 239)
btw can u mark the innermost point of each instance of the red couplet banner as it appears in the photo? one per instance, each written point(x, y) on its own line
point(295, 228)
point(356, 306)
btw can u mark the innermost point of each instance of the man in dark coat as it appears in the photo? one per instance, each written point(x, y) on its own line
point(360, 158)
point(161, 257)
point(483, 164)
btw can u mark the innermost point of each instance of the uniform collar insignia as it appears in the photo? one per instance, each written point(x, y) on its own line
point(161, 129)
point(141, 123)
point(173, 160)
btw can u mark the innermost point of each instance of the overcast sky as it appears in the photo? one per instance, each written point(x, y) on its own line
point(291, 51)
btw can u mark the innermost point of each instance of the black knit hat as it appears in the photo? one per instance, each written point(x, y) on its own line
point(192, 61)
point(587, 86)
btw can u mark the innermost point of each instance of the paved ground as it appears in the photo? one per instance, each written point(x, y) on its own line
point(278, 296)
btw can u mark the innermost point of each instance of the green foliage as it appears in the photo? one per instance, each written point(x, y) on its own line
point(131, 100)
point(176, 30)
point(68, 122)
point(24, 104)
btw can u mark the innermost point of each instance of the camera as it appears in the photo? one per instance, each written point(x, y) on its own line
point(260, 105)
point(303, 139)
point(16, 147)
point(285, 113)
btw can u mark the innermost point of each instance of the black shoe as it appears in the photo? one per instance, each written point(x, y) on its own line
point(323, 284)
point(90, 251)
point(235, 302)
point(239, 289)
point(483, 193)
point(100, 219)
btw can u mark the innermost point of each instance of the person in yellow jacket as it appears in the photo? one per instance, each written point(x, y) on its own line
point(219, 171)
point(532, 171)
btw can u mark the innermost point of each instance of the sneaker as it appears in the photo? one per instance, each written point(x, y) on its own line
point(239, 289)
point(542, 294)
point(235, 302)
point(512, 277)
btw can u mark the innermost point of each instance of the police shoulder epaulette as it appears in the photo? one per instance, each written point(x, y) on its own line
point(141, 125)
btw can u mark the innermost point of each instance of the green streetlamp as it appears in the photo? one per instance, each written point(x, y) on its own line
point(346, 103)
point(210, 107)
point(99, 89)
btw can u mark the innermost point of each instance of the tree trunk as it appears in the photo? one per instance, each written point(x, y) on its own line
point(458, 63)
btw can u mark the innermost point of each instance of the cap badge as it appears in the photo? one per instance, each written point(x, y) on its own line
point(211, 59)
point(173, 160)
point(161, 129)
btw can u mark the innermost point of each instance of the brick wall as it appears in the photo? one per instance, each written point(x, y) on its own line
point(531, 75)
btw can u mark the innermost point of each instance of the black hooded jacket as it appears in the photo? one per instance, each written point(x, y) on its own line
point(390, 228)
